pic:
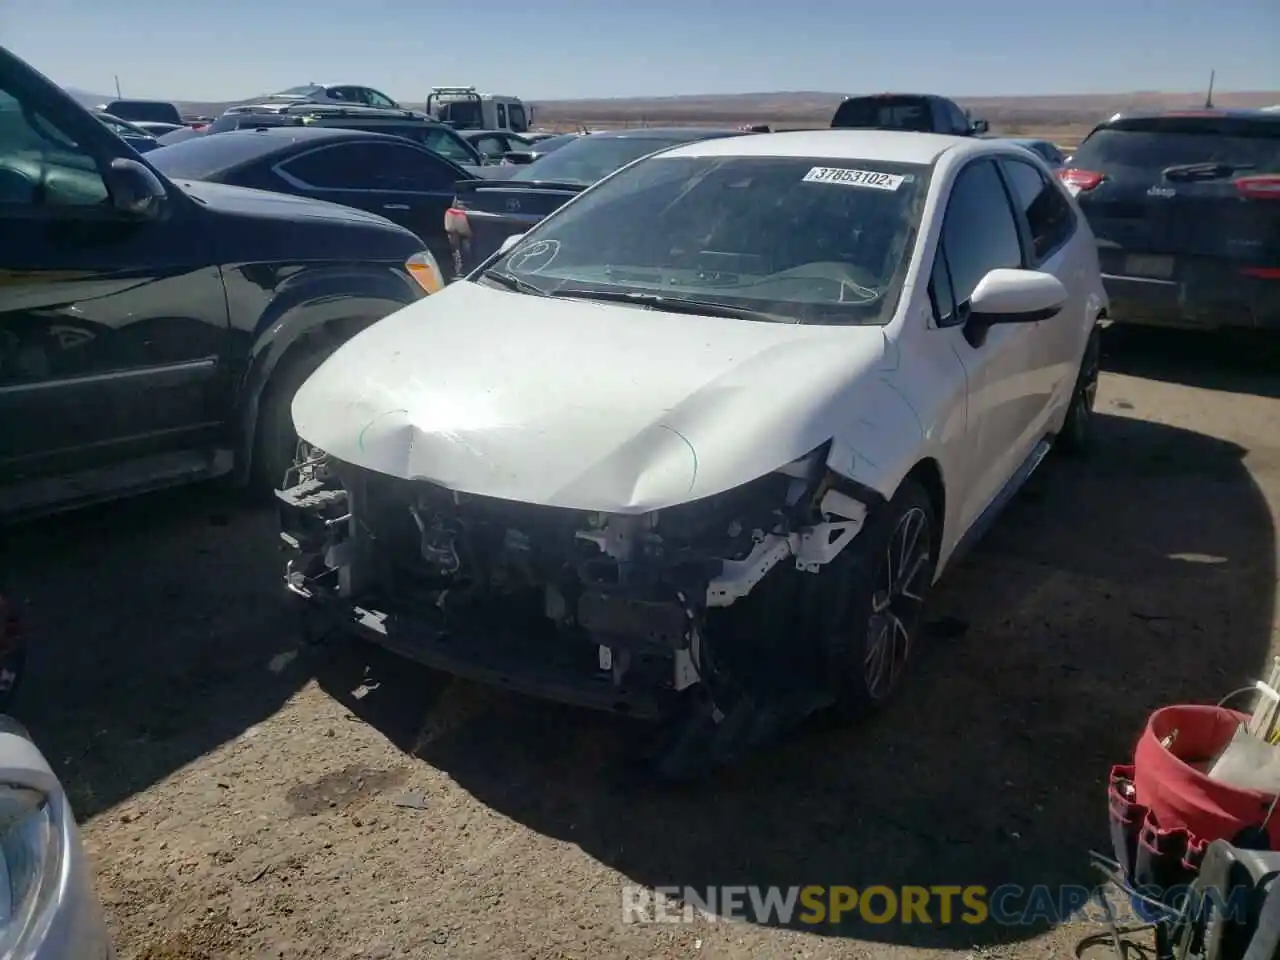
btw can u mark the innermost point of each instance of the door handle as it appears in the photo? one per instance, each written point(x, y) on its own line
point(395, 206)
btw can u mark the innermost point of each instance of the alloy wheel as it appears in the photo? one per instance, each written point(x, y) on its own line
point(896, 603)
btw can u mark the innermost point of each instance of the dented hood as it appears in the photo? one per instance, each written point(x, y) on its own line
point(570, 403)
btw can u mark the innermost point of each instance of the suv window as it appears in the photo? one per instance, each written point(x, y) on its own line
point(40, 165)
point(979, 234)
point(515, 113)
point(1049, 217)
point(491, 146)
point(1150, 145)
point(959, 121)
point(370, 166)
point(446, 143)
point(150, 110)
point(502, 115)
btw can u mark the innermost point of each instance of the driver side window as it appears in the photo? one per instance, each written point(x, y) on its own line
point(41, 166)
point(979, 234)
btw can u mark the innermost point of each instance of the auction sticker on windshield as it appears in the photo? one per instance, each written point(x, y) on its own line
point(854, 178)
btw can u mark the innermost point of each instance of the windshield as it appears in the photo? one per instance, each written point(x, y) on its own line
point(593, 158)
point(1151, 146)
point(801, 240)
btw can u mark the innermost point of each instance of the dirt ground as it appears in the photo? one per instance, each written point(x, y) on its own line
point(242, 801)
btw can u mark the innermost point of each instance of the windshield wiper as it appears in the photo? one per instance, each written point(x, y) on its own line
point(1213, 170)
point(656, 301)
point(512, 282)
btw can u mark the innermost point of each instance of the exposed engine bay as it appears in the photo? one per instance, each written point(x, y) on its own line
point(676, 613)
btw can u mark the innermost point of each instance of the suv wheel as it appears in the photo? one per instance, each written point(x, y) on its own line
point(276, 442)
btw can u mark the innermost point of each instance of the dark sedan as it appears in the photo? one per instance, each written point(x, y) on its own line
point(381, 173)
point(486, 212)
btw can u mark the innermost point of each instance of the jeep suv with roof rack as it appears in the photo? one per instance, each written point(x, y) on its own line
point(1186, 210)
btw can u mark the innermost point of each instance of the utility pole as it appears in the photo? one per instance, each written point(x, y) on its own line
point(1208, 100)
point(118, 96)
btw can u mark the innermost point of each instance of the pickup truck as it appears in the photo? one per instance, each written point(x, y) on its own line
point(153, 330)
point(919, 112)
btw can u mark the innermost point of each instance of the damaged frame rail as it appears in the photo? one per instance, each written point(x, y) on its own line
point(626, 613)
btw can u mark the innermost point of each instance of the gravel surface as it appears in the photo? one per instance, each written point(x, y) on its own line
point(242, 799)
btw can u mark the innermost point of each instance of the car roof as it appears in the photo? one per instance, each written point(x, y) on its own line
point(893, 146)
point(234, 149)
point(1207, 113)
point(290, 134)
point(664, 133)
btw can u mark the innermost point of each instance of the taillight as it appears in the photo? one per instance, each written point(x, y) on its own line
point(455, 221)
point(1264, 187)
point(1079, 181)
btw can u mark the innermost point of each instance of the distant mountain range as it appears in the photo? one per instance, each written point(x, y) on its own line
point(811, 106)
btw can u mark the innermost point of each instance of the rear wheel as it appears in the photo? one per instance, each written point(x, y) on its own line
point(276, 442)
point(878, 589)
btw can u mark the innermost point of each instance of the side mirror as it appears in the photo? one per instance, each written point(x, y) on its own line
point(135, 191)
point(981, 126)
point(1013, 296)
point(1007, 295)
point(508, 243)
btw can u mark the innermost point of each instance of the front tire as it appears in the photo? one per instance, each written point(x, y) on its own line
point(880, 583)
point(276, 442)
point(1076, 438)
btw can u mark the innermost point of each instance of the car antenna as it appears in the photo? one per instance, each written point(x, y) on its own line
point(118, 95)
point(1208, 100)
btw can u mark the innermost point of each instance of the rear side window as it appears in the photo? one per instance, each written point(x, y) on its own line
point(1049, 217)
point(1150, 146)
point(884, 113)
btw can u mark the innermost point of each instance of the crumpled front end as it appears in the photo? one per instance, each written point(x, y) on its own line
point(633, 614)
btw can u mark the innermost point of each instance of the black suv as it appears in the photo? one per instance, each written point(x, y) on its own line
point(1186, 210)
point(917, 112)
point(154, 331)
point(435, 136)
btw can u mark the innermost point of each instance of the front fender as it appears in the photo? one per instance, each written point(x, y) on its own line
point(332, 303)
point(880, 441)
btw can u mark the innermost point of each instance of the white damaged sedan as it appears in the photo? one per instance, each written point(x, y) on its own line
point(698, 445)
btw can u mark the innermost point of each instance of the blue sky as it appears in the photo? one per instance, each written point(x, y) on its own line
point(227, 49)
